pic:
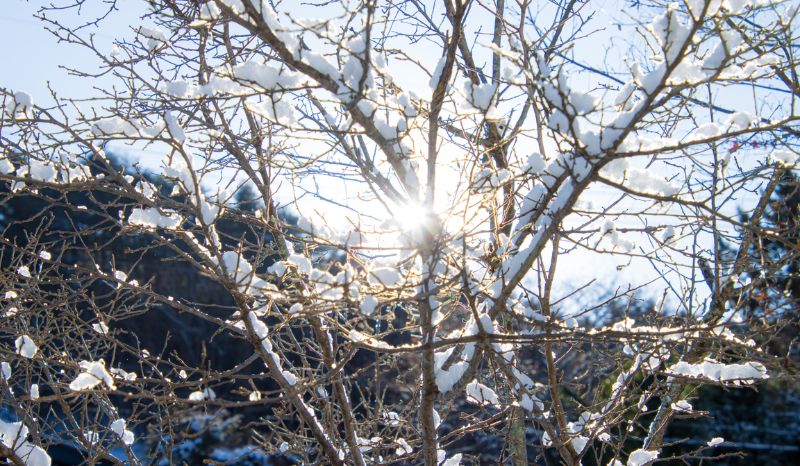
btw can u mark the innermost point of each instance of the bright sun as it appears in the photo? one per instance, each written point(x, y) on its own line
point(414, 221)
point(411, 217)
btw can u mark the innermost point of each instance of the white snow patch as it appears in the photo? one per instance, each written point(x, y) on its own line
point(155, 37)
point(645, 181)
point(94, 373)
point(301, 263)
point(579, 443)
point(41, 171)
point(479, 393)
point(13, 435)
point(100, 328)
point(174, 128)
point(712, 370)
point(22, 102)
point(291, 379)
point(784, 157)
point(266, 76)
point(741, 120)
point(118, 427)
point(446, 379)
point(25, 346)
point(202, 395)
point(715, 441)
point(536, 163)
point(385, 276)
point(437, 72)
point(454, 460)
point(150, 217)
point(480, 96)
point(642, 457)
point(6, 167)
point(404, 448)
point(123, 374)
point(368, 305)
point(114, 126)
point(682, 406)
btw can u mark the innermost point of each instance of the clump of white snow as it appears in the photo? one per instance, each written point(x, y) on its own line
point(174, 127)
point(13, 435)
point(93, 373)
point(741, 120)
point(479, 393)
point(202, 395)
point(40, 171)
point(480, 96)
point(150, 217)
point(114, 126)
point(101, 328)
point(719, 372)
point(385, 276)
point(26, 347)
point(155, 37)
point(404, 448)
point(6, 166)
point(642, 457)
point(118, 427)
point(784, 157)
point(441, 457)
point(123, 374)
point(437, 72)
point(23, 102)
point(368, 305)
point(682, 406)
point(291, 379)
point(645, 181)
point(446, 379)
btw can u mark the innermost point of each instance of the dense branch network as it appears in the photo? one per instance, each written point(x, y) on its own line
point(374, 202)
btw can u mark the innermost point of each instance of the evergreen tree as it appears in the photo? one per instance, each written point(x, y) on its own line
point(774, 270)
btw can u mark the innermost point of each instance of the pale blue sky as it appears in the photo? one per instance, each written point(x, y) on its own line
point(31, 56)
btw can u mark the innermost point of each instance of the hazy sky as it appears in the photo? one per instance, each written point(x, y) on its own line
point(31, 57)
